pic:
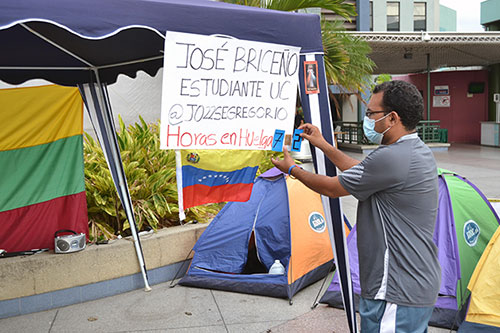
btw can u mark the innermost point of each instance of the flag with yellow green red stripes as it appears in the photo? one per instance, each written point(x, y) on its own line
point(41, 158)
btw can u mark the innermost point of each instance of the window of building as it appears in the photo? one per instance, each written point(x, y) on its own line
point(371, 15)
point(392, 16)
point(419, 16)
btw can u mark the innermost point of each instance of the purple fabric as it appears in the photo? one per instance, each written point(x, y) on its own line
point(271, 173)
point(352, 248)
point(446, 302)
point(445, 240)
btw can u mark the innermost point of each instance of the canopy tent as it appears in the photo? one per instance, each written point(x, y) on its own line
point(63, 41)
point(89, 43)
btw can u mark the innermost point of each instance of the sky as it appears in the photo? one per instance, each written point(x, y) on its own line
point(468, 14)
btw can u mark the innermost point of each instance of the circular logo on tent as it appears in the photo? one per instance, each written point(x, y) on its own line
point(317, 222)
point(471, 232)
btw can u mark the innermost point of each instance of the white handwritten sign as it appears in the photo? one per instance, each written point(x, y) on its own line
point(222, 93)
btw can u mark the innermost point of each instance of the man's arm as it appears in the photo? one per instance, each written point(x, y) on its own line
point(341, 160)
point(329, 186)
point(314, 136)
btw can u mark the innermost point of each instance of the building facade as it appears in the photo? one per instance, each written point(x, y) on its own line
point(397, 16)
point(490, 15)
point(447, 19)
point(490, 19)
point(404, 15)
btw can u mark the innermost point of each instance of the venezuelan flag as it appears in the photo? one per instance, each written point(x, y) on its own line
point(41, 157)
point(210, 176)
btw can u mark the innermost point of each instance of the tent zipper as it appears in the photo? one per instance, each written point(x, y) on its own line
point(253, 228)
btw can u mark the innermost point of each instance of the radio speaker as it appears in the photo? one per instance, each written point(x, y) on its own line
point(68, 243)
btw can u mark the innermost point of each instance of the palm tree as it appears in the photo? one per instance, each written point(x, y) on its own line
point(346, 61)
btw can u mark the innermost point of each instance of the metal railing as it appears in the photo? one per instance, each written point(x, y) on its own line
point(429, 130)
point(352, 132)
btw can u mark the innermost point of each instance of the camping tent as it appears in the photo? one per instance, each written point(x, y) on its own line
point(464, 225)
point(89, 43)
point(283, 220)
point(483, 314)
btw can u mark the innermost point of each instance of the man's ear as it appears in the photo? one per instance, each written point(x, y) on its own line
point(394, 117)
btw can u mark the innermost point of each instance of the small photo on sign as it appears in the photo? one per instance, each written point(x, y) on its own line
point(288, 140)
point(311, 77)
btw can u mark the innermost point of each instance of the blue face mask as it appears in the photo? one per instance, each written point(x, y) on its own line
point(369, 130)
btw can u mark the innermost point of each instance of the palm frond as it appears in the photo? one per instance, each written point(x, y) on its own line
point(346, 61)
point(339, 7)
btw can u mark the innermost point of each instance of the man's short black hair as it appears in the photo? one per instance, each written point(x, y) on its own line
point(405, 99)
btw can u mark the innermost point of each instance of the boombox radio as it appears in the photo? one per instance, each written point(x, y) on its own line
point(68, 243)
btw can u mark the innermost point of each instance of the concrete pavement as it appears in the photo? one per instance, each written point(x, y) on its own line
point(184, 309)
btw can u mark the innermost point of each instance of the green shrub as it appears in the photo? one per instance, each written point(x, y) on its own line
point(151, 180)
point(266, 163)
